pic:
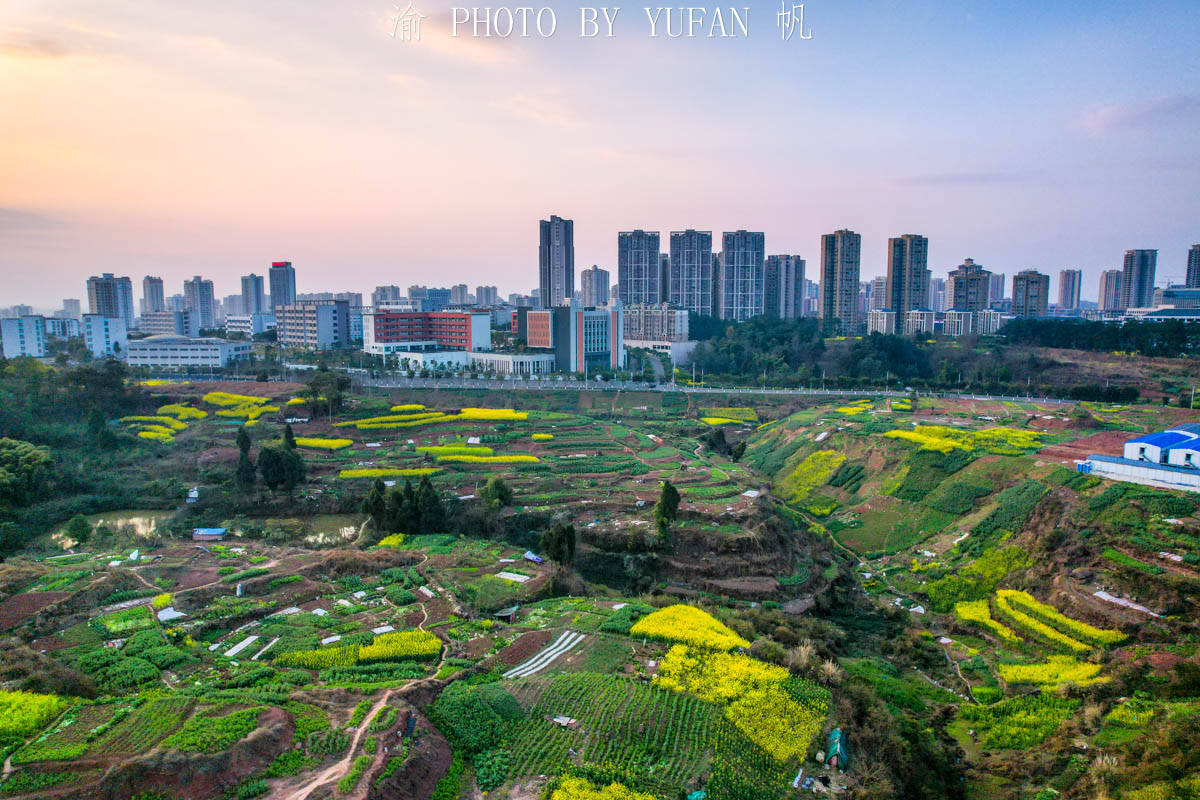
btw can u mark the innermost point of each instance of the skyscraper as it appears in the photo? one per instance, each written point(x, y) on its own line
point(254, 301)
point(742, 275)
point(282, 279)
point(1110, 290)
point(937, 294)
point(907, 274)
point(1031, 293)
point(878, 293)
point(152, 295)
point(783, 287)
point(995, 289)
point(639, 268)
point(691, 271)
point(198, 298)
point(71, 308)
point(1069, 282)
point(594, 283)
point(840, 257)
point(968, 288)
point(1193, 268)
point(1137, 279)
point(112, 297)
point(458, 294)
point(556, 261)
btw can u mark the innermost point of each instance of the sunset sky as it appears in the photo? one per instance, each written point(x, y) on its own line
point(174, 139)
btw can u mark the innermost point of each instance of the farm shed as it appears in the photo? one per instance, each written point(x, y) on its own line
point(508, 615)
point(208, 534)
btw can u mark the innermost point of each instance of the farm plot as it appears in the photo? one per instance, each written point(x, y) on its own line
point(663, 736)
point(145, 727)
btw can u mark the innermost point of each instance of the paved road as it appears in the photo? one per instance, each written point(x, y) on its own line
point(363, 379)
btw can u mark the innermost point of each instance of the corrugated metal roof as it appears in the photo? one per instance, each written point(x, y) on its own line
point(1128, 462)
point(1192, 428)
point(1164, 439)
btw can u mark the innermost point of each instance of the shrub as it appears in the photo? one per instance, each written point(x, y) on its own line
point(161, 601)
point(491, 769)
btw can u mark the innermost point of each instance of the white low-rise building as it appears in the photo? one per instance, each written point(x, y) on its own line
point(23, 336)
point(177, 352)
point(1169, 460)
point(105, 336)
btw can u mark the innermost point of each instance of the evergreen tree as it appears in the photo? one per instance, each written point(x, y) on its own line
point(558, 543)
point(496, 493)
point(375, 505)
point(289, 438)
point(408, 517)
point(665, 511)
point(430, 510)
point(245, 474)
point(281, 467)
point(79, 529)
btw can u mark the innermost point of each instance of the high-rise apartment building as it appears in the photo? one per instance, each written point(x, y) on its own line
point(639, 268)
point(907, 274)
point(995, 289)
point(556, 261)
point(691, 271)
point(72, 309)
point(254, 299)
point(742, 277)
point(104, 335)
point(386, 296)
point(1031, 293)
point(1069, 284)
point(1137, 278)
point(110, 296)
point(487, 296)
point(783, 287)
point(594, 283)
point(1110, 290)
point(198, 298)
point(320, 325)
point(969, 287)
point(1193, 268)
point(840, 266)
point(458, 294)
point(878, 295)
point(282, 280)
point(937, 294)
point(153, 299)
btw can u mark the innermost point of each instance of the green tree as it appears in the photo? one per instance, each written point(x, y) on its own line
point(375, 505)
point(245, 474)
point(666, 510)
point(243, 440)
point(326, 390)
point(289, 438)
point(430, 509)
point(407, 516)
point(496, 493)
point(79, 528)
point(280, 467)
point(24, 471)
point(558, 543)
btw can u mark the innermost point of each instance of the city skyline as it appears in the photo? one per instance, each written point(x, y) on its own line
point(1074, 125)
